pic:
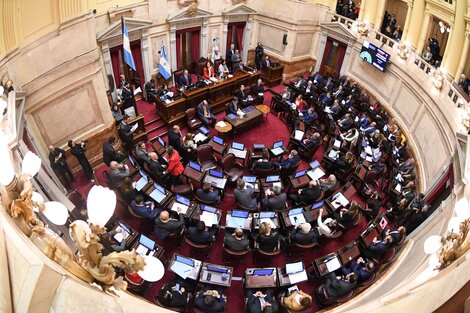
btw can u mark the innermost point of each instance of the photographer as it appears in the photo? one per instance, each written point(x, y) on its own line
point(78, 150)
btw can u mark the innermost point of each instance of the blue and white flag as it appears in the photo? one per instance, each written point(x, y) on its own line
point(164, 66)
point(127, 46)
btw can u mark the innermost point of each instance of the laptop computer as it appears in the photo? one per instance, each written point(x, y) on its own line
point(216, 173)
point(147, 242)
point(300, 174)
point(278, 144)
point(161, 141)
point(184, 260)
point(292, 268)
point(218, 140)
point(216, 269)
point(240, 214)
point(273, 179)
point(204, 130)
point(258, 146)
point(132, 161)
point(268, 214)
point(195, 166)
point(183, 200)
point(142, 182)
point(238, 146)
point(249, 179)
point(158, 194)
point(296, 216)
point(314, 164)
point(208, 208)
point(263, 272)
point(316, 205)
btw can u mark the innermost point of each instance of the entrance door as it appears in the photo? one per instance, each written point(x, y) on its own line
point(333, 57)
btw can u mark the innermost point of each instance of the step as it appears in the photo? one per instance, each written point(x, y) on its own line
point(154, 134)
point(158, 118)
point(155, 126)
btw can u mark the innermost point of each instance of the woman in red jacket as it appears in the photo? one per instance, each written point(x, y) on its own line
point(208, 71)
point(175, 168)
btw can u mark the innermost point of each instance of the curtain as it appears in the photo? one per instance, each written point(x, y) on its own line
point(439, 187)
point(115, 56)
point(328, 45)
point(240, 29)
point(178, 50)
point(195, 45)
point(342, 52)
point(229, 38)
point(137, 55)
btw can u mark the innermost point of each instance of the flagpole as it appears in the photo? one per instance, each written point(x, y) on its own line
point(128, 71)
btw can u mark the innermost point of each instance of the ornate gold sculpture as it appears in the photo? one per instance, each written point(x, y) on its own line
point(454, 245)
point(87, 239)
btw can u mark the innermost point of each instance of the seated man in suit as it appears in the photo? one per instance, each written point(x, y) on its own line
point(309, 90)
point(300, 83)
point(170, 296)
point(309, 115)
point(297, 300)
point(184, 81)
point(361, 268)
point(378, 247)
point(204, 113)
point(337, 287)
point(155, 167)
point(164, 225)
point(307, 195)
point(141, 152)
point(117, 173)
point(277, 201)
point(236, 241)
point(144, 209)
point(265, 64)
point(303, 234)
point(312, 141)
point(207, 193)
point(326, 99)
point(264, 162)
point(233, 106)
point(210, 301)
point(261, 302)
point(285, 163)
point(329, 184)
point(200, 234)
point(329, 85)
point(242, 96)
point(258, 90)
point(244, 195)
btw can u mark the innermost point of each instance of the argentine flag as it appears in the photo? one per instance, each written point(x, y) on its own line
point(127, 46)
point(164, 66)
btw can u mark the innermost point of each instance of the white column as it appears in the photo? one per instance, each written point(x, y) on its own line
point(246, 39)
point(204, 49)
point(108, 67)
point(173, 47)
point(146, 59)
point(346, 58)
point(320, 51)
point(463, 56)
point(408, 19)
point(424, 31)
point(223, 48)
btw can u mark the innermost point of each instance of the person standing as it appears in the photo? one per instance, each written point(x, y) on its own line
point(259, 51)
point(228, 56)
point(79, 152)
point(59, 164)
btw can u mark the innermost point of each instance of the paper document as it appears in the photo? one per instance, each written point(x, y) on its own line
point(398, 188)
point(183, 208)
point(333, 265)
point(208, 218)
point(339, 200)
point(221, 124)
point(236, 221)
point(337, 143)
point(368, 150)
point(316, 173)
point(277, 184)
point(142, 250)
point(120, 236)
point(181, 269)
point(199, 137)
point(298, 277)
point(134, 127)
point(298, 135)
point(297, 219)
point(277, 151)
point(137, 90)
point(369, 159)
point(333, 154)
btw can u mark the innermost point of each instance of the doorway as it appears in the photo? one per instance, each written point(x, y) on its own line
point(235, 35)
point(187, 47)
point(136, 78)
point(333, 57)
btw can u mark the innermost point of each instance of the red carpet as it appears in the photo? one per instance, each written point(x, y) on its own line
point(273, 129)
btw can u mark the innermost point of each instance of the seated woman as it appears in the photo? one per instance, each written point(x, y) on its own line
point(264, 162)
point(328, 227)
point(297, 300)
point(299, 103)
point(346, 162)
point(346, 217)
point(127, 190)
point(267, 239)
point(188, 142)
point(208, 71)
point(210, 301)
point(351, 137)
point(163, 91)
point(372, 207)
point(223, 69)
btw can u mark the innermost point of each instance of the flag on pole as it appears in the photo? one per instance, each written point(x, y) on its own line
point(164, 66)
point(127, 46)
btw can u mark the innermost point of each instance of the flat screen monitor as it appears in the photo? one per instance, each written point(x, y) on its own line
point(292, 268)
point(184, 260)
point(141, 183)
point(268, 214)
point(216, 269)
point(132, 161)
point(278, 144)
point(296, 211)
point(161, 141)
point(216, 173)
point(195, 166)
point(147, 242)
point(272, 179)
point(208, 208)
point(249, 179)
point(240, 214)
point(316, 205)
point(183, 200)
point(263, 271)
point(125, 228)
point(314, 164)
point(238, 146)
point(159, 188)
point(300, 174)
point(259, 146)
point(204, 130)
point(374, 55)
point(218, 140)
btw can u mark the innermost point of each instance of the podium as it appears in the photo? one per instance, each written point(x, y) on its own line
point(273, 75)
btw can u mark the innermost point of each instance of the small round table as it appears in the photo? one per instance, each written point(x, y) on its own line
point(226, 129)
point(264, 109)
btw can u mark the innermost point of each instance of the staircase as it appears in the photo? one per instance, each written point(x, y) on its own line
point(154, 124)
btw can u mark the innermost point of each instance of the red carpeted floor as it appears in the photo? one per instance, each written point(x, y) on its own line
point(273, 129)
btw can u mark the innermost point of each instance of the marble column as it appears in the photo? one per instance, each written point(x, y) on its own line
point(379, 14)
point(347, 56)
point(204, 49)
point(247, 39)
point(455, 44)
point(223, 48)
point(415, 23)
point(146, 59)
point(463, 55)
point(173, 47)
point(108, 67)
point(424, 32)
point(320, 51)
point(408, 19)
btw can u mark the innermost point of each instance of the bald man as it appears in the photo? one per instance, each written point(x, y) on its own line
point(154, 166)
point(59, 165)
point(117, 173)
point(164, 225)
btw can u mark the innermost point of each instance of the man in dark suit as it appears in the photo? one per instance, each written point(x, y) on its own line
point(326, 99)
point(242, 96)
point(363, 269)
point(174, 139)
point(378, 247)
point(109, 153)
point(184, 81)
point(210, 301)
point(236, 241)
point(207, 193)
point(258, 302)
point(204, 113)
point(244, 195)
point(228, 56)
point(307, 195)
point(144, 209)
point(258, 91)
point(346, 123)
point(335, 288)
point(329, 84)
point(312, 141)
point(154, 166)
point(59, 164)
point(265, 64)
point(141, 152)
point(292, 159)
point(200, 234)
point(164, 225)
point(300, 83)
point(127, 96)
point(303, 234)
point(277, 201)
point(126, 133)
point(233, 106)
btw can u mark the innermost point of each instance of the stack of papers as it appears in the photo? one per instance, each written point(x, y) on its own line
point(339, 200)
point(208, 218)
point(183, 207)
point(134, 127)
point(298, 135)
point(142, 250)
point(298, 277)
point(337, 144)
point(277, 150)
point(200, 137)
point(333, 264)
point(316, 173)
point(221, 124)
point(333, 154)
point(181, 269)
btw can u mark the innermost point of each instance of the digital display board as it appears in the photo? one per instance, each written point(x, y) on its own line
point(374, 55)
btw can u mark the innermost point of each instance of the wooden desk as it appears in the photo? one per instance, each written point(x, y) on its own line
point(283, 278)
point(299, 182)
point(209, 276)
point(369, 234)
point(223, 130)
point(131, 233)
point(272, 76)
point(159, 146)
point(218, 183)
point(264, 109)
point(189, 211)
point(253, 116)
point(171, 112)
point(140, 133)
point(265, 185)
point(264, 281)
point(247, 223)
point(349, 252)
point(194, 274)
point(257, 219)
point(218, 148)
point(165, 200)
point(254, 155)
point(314, 210)
point(287, 222)
point(193, 174)
point(326, 264)
point(157, 251)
